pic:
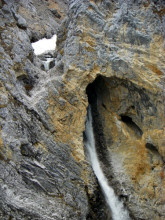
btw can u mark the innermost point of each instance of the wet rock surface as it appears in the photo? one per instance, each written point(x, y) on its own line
point(45, 171)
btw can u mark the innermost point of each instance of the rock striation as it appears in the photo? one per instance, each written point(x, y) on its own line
point(109, 54)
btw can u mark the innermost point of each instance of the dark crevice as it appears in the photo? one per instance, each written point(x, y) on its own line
point(154, 153)
point(152, 148)
point(128, 121)
point(34, 39)
point(99, 97)
point(28, 82)
point(100, 142)
point(90, 91)
point(97, 203)
point(103, 105)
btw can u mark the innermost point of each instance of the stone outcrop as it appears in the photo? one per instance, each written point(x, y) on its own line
point(109, 54)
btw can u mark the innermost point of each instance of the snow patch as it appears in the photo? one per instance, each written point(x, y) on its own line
point(44, 45)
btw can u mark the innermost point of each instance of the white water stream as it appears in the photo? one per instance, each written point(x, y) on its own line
point(47, 63)
point(116, 206)
point(44, 45)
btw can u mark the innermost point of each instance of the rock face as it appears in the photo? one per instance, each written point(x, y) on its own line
point(109, 54)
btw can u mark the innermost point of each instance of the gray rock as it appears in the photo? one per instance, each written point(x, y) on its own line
point(0, 3)
point(21, 22)
point(45, 171)
point(55, 13)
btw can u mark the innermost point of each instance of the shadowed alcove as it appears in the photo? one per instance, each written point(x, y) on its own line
point(121, 113)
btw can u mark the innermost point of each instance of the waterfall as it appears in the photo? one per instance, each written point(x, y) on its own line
point(47, 63)
point(116, 206)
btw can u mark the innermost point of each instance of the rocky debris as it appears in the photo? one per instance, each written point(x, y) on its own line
point(45, 171)
point(21, 22)
point(55, 12)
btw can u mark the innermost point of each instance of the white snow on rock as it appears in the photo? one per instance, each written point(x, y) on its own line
point(44, 44)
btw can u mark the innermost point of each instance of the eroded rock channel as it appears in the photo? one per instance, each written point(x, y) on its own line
point(118, 108)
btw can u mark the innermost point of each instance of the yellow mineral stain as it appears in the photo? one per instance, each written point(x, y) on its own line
point(91, 41)
point(1, 140)
point(68, 121)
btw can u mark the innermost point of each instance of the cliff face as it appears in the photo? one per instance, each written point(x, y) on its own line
point(109, 54)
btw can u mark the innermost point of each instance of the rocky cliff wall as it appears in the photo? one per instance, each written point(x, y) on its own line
point(118, 46)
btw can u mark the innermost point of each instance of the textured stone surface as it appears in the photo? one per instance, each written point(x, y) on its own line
point(45, 172)
point(124, 43)
point(40, 179)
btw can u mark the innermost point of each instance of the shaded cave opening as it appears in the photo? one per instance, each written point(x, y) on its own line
point(152, 148)
point(98, 207)
point(93, 91)
point(28, 82)
point(96, 92)
point(131, 124)
point(154, 155)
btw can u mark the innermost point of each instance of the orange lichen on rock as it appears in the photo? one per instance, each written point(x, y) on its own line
point(155, 69)
point(91, 41)
point(64, 119)
point(1, 140)
point(162, 174)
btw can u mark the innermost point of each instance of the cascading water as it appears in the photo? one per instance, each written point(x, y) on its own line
point(116, 206)
point(45, 45)
point(47, 63)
